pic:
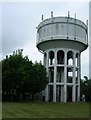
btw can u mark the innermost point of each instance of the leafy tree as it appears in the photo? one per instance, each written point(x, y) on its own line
point(12, 74)
point(86, 88)
point(36, 80)
point(21, 76)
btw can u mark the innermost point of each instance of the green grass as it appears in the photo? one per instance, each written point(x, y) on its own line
point(0, 110)
point(45, 110)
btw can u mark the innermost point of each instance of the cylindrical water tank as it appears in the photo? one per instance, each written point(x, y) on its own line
point(62, 32)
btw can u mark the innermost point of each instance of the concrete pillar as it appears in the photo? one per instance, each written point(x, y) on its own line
point(79, 77)
point(46, 93)
point(54, 92)
point(55, 77)
point(46, 90)
point(62, 93)
point(45, 59)
point(74, 80)
point(65, 77)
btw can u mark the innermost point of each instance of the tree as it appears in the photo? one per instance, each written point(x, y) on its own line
point(13, 71)
point(86, 88)
point(37, 79)
point(21, 76)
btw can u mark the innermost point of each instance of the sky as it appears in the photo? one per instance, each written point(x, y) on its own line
point(19, 22)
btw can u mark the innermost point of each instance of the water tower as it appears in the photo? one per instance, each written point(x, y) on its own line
point(61, 40)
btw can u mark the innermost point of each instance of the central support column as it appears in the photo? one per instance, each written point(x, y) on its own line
point(74, 80)
point(65, 77)
point(55, 77)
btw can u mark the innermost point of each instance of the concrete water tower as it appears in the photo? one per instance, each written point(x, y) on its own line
point(62, 39)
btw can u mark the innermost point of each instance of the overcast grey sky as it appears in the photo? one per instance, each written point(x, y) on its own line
point(20, 19)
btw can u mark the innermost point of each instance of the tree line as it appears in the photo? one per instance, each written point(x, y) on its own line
point(22, 78)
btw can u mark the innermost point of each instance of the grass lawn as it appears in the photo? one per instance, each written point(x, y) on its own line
point(45, 110)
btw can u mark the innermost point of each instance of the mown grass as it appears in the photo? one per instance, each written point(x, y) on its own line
point(0, 110)
point(45, 110)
